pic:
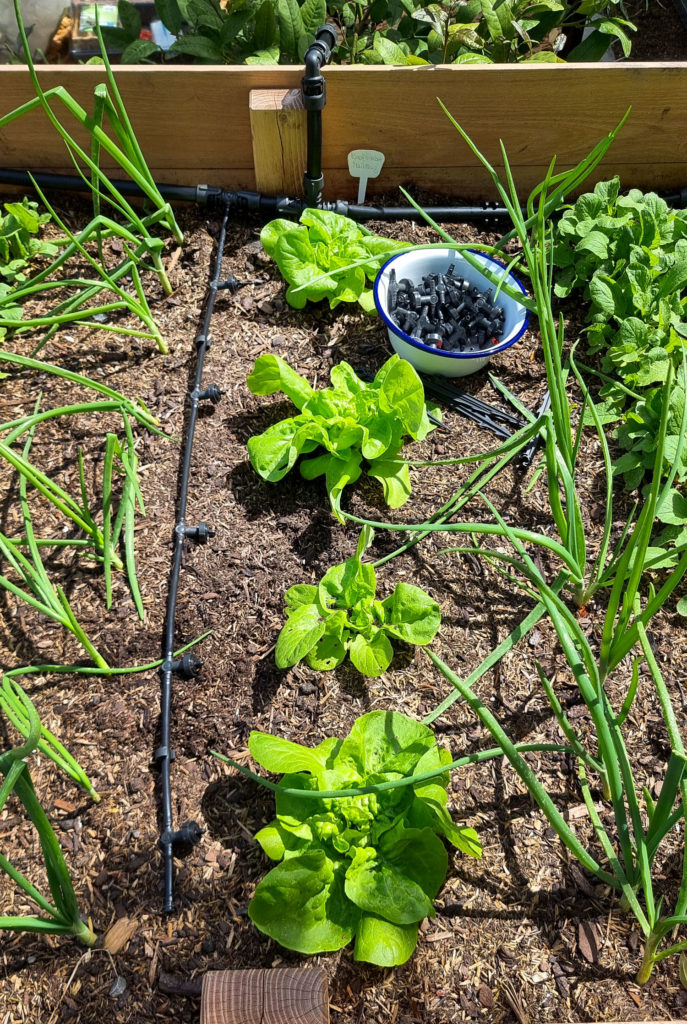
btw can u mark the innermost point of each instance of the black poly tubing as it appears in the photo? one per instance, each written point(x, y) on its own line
point(190, 832)
point(314, 93)
point(245, 201)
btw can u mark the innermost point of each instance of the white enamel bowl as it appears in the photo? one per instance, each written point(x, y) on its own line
point(418, 264)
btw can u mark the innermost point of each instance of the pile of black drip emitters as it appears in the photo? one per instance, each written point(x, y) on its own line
point(446, 312)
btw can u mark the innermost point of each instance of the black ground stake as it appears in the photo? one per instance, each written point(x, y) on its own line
point(177, 842)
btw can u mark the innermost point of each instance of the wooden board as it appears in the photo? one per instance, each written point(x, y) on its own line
point(194, 122)
point(278, 130)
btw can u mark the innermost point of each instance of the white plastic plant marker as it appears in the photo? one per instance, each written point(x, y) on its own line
point(364, 164)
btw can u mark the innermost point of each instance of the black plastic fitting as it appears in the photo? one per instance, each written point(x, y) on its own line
point(230, 283)
point(182, 840)
point(314, 91)
point(187, 667)
point(212, 394)
point(317, 56)
point(201, 533)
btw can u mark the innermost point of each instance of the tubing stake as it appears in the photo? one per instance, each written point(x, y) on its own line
point(164, 753)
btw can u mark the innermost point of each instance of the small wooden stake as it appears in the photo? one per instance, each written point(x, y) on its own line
point(282, 995)
point(277, 125)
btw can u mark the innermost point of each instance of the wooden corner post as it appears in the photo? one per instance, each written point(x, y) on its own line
point(281, 995)
point(277, 125)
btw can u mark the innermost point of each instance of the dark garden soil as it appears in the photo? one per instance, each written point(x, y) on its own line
point(660, 35)
point(522, 928)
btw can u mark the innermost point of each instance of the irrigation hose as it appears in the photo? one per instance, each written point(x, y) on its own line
point(245, 202)
point(178, 841)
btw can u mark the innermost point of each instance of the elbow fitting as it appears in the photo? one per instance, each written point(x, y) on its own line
point(317, 55)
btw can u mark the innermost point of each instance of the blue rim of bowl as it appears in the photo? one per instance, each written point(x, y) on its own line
point(478, 353)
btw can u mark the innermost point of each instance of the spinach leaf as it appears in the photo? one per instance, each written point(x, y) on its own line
point(629, 255)
point(19, 244)
point(358, 867)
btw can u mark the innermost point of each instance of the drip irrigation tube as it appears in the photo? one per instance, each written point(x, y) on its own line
point(248, 203)
point(176, 841)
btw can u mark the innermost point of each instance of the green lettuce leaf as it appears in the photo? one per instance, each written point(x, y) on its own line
point(380, 942)
point(301, 904)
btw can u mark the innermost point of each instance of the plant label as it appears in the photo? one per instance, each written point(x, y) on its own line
point(364, 164)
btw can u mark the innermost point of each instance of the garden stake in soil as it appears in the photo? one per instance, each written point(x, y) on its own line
point(176, 841)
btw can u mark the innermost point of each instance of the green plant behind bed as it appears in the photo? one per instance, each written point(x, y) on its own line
point(383, 32)
point(352, 420)
point(236, 32)
point(341, 615)
point(61, 916)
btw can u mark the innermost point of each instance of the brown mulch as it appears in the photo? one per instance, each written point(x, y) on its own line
point(525, 927)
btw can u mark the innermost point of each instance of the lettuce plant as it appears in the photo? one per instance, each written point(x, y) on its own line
point(352, 420)
point(342, 615)
point(309, 252)
point(364, 867)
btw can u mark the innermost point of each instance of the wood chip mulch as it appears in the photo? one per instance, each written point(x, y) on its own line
point(523, 934)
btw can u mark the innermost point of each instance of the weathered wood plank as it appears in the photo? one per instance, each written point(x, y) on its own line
point(194, 122)
point(278, 130)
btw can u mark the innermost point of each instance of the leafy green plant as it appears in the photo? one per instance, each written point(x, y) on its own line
point(309, 252)
point(400, 32)
point(342, 615)
point(19, 241)
point(61, 917)
point(629, 255)
point(250, 31)
point(352, 420)
point(537, 29)
point(369, 865)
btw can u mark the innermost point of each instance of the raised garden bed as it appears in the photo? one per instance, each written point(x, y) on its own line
point(196, 120)
point(520, 917)
point(523, 934)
